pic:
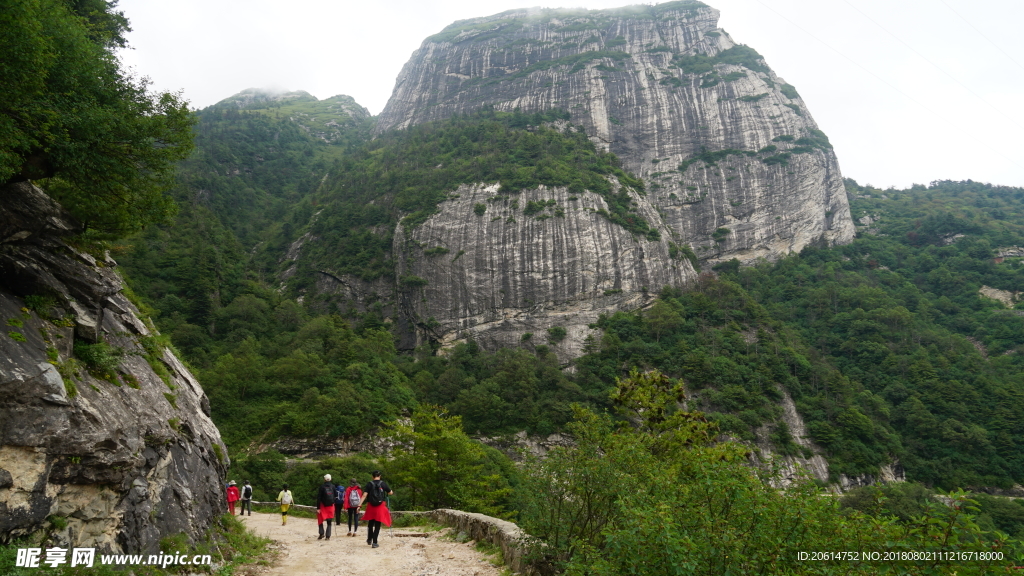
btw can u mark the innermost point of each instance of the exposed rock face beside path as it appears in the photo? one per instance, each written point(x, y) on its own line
point(120, 462)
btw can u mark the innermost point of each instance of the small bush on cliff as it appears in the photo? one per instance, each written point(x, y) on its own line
point(101, 359)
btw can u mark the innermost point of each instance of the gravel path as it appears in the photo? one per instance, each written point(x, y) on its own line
point(301, 554)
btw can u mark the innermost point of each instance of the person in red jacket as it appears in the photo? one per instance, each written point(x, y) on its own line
point(375, 496)
point(352, 500)
point(232, 496)
point(325, 506)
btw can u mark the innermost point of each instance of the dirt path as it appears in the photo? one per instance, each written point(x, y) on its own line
point(302, 554)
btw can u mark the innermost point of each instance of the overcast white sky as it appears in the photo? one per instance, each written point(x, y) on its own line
point(907, 90)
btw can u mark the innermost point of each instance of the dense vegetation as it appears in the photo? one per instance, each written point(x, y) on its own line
point(72, 115)
point(898, 313)
point(659, 496)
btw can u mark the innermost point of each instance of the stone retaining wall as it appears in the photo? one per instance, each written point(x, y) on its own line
point(501, 533)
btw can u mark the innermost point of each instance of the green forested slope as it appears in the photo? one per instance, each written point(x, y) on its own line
point(893, 312)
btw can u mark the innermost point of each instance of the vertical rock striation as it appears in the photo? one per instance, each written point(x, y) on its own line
point(658, 86)
point(502, 274)
point(111, 448)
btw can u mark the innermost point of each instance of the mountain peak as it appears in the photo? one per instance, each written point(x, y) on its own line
point(259, 97)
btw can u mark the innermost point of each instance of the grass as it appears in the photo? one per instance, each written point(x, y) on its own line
point(154, 347)
point(420, 521)
point(228, 542)
point(494, 555)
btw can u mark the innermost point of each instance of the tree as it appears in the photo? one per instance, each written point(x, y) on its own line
point(663, 318)
point(439, 466)
point(658, 495)
point(70, 115)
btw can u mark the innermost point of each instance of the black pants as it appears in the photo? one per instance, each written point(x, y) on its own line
point(373, 529)
point(338, 511)
point(245, 504)
point(321, 527)
point(353, 520)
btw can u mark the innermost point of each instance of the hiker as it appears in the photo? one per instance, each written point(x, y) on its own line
point(352, 499)
point(325, 506)
point(232, 496)
point(246, 499)
point(375, 496)
point(285, 498)
point(339, 504)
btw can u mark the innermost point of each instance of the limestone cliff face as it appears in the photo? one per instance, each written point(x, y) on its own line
point(126, 454)
point(657, 86)
point(500, 275)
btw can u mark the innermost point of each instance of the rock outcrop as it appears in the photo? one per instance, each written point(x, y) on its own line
point(659, 86)
point(504, 278)
point(105, 436)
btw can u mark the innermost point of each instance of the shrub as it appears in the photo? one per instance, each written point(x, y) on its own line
point(412, 281)
point(100, 359)
point(780, 159)
point(436, 251)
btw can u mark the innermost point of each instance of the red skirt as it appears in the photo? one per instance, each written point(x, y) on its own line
point(379, 512)
point(324, 513)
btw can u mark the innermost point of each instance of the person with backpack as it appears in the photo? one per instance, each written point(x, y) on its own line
point(375, 496)
point(285, 498)
point(246, 499)
point(352, 499)
point(232, 496)
point(325, 506)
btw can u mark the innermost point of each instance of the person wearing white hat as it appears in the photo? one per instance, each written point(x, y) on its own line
point(232, 496)
point(325, 506)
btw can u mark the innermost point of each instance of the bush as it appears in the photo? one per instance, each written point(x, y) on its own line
point(556, 334)
point(100, 359)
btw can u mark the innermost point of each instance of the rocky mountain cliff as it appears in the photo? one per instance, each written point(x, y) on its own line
point(505, 278)
point(735, 165)
point(105, 436)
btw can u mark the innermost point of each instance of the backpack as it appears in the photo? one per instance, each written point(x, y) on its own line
point(326, 495)
point(377, 494)
point(286, 497)
point(354, 499)
point(246, 492)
